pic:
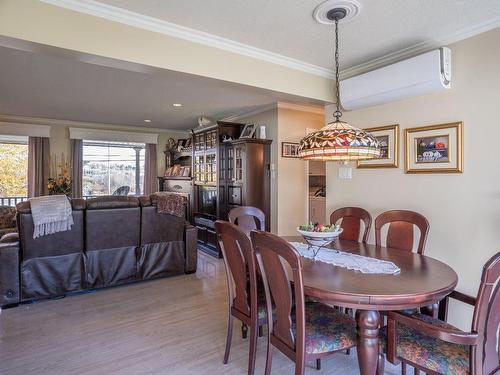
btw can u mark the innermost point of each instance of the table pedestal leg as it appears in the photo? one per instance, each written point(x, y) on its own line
point(368, 343)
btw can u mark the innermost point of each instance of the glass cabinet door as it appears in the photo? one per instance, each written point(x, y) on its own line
point(238, 163)
point(199, 142)
point(211, 168)
point(230, 164)
point(199, 169)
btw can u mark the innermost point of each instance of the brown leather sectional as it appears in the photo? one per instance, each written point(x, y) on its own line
point(114, 241)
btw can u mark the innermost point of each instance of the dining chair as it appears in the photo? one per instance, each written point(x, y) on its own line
point(436, 347)
point(248, 218)
point(301, 330)
point(245, 301)
point(351, 223)
point(400, 232)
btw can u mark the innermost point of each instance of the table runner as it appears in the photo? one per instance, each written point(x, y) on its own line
point(346, 260)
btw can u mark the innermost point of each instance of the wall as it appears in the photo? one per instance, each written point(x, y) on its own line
point(463, 209)
point(59, 135)
point(289, 183)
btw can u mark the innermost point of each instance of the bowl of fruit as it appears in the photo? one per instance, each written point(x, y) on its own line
point(319, 234)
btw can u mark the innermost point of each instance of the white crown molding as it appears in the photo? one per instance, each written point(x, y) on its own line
point(278, 105)
point(127, 17)
point(116, 14)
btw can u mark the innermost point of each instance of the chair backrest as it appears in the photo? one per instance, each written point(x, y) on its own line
point(248, 218)
point(239, 258)
point(272, 251)
point(122, 190)
point(486, 320)
point(400, 233)
point(351, 222)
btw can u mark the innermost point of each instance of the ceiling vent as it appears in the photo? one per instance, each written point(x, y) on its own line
point(423, 74)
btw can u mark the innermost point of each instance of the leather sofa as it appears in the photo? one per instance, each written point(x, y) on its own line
point(114, 241)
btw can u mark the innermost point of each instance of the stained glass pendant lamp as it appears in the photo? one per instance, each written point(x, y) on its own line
point(338, 141)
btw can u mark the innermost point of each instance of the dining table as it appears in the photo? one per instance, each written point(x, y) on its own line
point(422, 281)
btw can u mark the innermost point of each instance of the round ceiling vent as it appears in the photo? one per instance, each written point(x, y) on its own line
point(324, 11)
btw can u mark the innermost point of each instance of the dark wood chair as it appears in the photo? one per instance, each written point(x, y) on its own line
point(351, 223)
point(248, 218)
point(302, 331)
point(245, 301)
point(400, 232)
point(435, 347)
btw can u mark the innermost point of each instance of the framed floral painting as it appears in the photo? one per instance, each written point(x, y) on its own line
point(388, 137)
point(434, 149)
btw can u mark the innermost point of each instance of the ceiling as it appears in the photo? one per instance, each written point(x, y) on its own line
point(287, 27)
point(58, 86)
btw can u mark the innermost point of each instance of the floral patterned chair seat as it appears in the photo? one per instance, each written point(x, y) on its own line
point(7, 220)
point(429, 352)
point(327, 330)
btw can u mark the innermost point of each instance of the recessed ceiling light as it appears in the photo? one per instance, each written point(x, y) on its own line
point(148, 121)
point(177, 105)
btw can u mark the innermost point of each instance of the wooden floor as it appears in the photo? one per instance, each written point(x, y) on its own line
point(169, 326)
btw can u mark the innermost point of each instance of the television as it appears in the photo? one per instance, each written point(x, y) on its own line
point(208, 200)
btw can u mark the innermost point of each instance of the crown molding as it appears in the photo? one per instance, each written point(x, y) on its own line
point(241, 115)
point(134, 19)
point(279, 105)
point(116, 14)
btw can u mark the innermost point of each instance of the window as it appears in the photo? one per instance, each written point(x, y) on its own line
point(13, 169)
point(112, 167)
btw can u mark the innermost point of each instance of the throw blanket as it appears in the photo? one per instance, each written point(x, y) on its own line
point(346, 260)
point(171, 203)
point(51, 214)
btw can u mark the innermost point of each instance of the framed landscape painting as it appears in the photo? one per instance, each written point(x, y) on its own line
point(434, 149)
point(388, 137)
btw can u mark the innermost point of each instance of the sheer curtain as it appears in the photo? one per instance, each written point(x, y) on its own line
point(150, 169)
point(76, 168)
point(38, 166)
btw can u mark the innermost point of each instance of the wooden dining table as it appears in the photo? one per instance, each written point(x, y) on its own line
point(423, 281)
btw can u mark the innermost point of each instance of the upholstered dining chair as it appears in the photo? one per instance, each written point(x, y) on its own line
point(351, 222)
point(400, 232)
point(302, 331)
point(248, 218)
point(435, 347)
point(246, 300)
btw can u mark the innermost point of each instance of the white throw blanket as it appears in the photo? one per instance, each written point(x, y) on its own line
point(346, 260)
point(51, 214)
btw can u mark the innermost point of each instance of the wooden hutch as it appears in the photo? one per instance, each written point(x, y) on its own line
point(227, 174)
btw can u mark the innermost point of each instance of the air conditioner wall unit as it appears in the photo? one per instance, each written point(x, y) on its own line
point(423, 74)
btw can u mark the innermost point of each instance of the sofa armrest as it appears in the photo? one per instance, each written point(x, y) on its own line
point(191, 240)
point(9, 273)
point(9, 237)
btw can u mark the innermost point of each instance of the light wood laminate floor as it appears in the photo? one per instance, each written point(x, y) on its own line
point(168, 326)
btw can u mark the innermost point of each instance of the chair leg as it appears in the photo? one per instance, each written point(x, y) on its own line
point(244, 330)
point(318, 364)
point(261, 331)
point(253, 349)
point(381, 364)
point(228, 338)
point(269, 358)
point(403, 368)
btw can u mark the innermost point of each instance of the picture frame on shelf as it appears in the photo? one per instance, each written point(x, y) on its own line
point(388, 137)
point(248, 131)
point(290, 150)
point(434, 148)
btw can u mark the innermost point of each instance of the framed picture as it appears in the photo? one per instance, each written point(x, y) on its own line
point(290, 149)
point(388, 137)
point(434, 149)
point(248, 131)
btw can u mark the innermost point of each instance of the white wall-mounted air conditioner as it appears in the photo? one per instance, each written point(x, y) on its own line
point(423, 74)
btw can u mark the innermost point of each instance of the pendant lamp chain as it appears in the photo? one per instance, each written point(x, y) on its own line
point(337, 114)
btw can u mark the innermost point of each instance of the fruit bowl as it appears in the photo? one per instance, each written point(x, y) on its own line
point(320, 235)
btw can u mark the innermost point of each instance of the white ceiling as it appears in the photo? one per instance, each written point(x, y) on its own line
point(59, 85)
point(286, 27)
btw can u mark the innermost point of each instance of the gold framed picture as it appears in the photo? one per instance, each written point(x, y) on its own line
point(434, 149)
point(388, 137)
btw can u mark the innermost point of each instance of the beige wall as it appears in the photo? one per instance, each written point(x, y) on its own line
point(39, 22)
point(463, 209)
point(289, 182)
point(59, 135)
